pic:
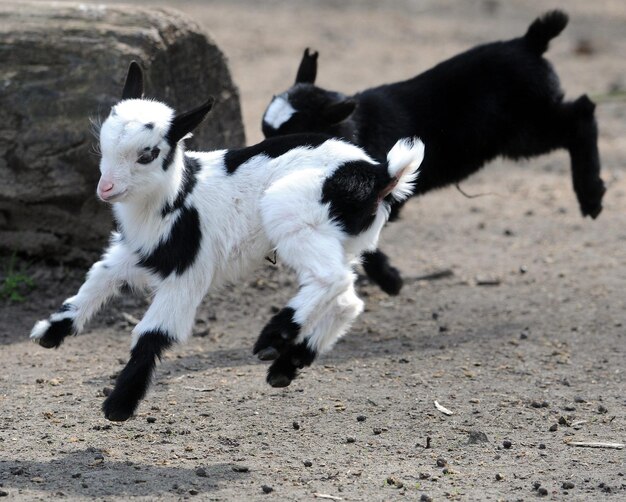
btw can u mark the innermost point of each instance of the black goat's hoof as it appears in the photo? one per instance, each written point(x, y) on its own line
point(116, 412)
point(267, 354)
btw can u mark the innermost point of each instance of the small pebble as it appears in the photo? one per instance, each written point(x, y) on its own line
point(377, 430)
point(3, 493)
point(424, 475)
point(542, 446)
point(542, 492)
point(193, 492)
point(425, 498)
point(350, 439)
point(568, 485)
point(307, 463)
point(563, 421)
point(441, 462)
point(98, 456)
point(602, 409)
point(76, 475)
point(536, 485)
point(499, 477)
point(295, 425)
point(201, 472)
point(150, 420)
point(240, 468)
point(507, 444)
point(361, 418)
point(267, 489)
point(579, 399)
point(553, 428)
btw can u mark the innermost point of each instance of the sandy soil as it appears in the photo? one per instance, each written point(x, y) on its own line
point(527, 365)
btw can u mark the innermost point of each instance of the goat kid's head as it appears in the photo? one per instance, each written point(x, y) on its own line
point(138, 141)
point(305, 107)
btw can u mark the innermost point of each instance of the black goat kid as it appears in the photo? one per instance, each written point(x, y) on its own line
point(497, 99)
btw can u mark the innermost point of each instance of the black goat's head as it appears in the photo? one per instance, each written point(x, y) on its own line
point(306, 108)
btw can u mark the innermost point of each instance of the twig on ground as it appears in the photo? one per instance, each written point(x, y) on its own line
point(443, 409)
point(592, 444)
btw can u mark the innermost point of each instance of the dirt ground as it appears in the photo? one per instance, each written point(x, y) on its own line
point(528, 364)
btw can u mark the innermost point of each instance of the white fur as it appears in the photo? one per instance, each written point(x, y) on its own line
point(268, 204)
point(278, 112)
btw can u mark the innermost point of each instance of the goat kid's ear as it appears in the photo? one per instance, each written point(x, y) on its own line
point(308, 68)
point(186, 122)
point(133, 87)
point(338, 111)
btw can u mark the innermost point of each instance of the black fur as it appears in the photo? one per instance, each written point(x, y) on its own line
point(353, 193)
point(178, 252)
point(497, 99)
point(186, 122)
point(277, 334)
point(133, 86)
point(381, 272)
point(271, 148)
point(133, 381)
point(191, 168)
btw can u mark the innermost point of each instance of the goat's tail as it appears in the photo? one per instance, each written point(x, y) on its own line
point(403, 162)
point(543, 29)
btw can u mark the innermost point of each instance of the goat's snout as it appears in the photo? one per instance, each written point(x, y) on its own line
point(106, 189)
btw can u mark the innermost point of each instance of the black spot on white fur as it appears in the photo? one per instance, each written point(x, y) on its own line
point(353, 193)
point(133, 381)
point(271, 148)
point(178, 251)
point(191, 168)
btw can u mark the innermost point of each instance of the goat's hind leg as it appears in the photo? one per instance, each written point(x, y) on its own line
point(380, 271)
point(315, 317)
point(333, 324)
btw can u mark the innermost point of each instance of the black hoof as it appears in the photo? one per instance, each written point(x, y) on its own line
point(278, 380)
point(115, 411)
point(591, 199)
point(56, 333)
point(50, 343)
point(268, 354)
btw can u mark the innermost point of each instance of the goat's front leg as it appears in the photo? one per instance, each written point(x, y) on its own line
point(583, 148)
point(104, 280)
point(168, 320)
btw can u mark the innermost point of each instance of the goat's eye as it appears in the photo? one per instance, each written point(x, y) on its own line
point(149, 156)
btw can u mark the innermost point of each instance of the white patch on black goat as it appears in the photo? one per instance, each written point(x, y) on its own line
point(278, 112)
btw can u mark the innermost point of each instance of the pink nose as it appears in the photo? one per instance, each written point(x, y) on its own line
point(105, 189)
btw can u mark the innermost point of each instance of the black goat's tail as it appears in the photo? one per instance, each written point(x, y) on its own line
point(543, 29)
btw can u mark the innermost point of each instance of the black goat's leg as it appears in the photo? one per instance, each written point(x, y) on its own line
point(380, 271)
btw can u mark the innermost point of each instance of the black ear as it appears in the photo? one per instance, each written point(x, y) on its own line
point(133, 88)
point(187, 122)
point(338, 111)
point(308, 68)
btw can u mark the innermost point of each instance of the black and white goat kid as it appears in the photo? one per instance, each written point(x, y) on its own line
point(190, 221)
point(497, 99)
